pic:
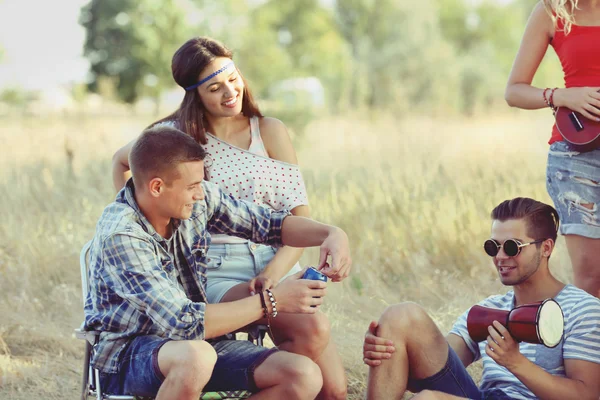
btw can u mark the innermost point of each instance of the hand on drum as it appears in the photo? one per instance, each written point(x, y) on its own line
point(502, 348)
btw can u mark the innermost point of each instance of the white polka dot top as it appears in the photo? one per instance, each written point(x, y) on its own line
point(252, 176)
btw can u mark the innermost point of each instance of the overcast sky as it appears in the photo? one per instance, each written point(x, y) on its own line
point(42, 43)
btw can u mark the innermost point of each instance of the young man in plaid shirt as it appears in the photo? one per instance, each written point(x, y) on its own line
point(147, 283)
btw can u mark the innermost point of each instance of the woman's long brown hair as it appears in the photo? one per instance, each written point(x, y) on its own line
point(187, 65)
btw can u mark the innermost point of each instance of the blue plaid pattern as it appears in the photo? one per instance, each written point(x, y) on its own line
point(144, 284)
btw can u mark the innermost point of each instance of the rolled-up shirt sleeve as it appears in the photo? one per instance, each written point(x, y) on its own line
point(240, 218)
point(133, 270)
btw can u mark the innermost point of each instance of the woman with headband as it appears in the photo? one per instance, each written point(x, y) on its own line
point(252, 159)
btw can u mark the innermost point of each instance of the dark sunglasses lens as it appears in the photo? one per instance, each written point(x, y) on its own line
point(491, 248)
point(511, 248)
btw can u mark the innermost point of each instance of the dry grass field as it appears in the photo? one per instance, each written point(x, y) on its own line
point(413, 195)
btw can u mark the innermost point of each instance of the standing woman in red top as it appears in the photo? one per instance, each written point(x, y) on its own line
point(572, 28)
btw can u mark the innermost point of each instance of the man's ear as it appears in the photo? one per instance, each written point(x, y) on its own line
point(547, 247)
point(155, 187)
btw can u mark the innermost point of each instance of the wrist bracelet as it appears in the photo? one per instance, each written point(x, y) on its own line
point(264, 304)
point(551, 100)
point(273, 303)
point(266, 313)
point(546, 97)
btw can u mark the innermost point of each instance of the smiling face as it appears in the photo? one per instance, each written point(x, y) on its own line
point(518, 269)
point(222, 94)
point(178, 196)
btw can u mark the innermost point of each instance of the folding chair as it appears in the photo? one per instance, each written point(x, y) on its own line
point(90, 385)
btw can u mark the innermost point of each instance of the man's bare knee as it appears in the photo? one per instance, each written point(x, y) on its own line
point(404, 319)
point(189, 362)
point(339, 392)
point(293, 376)
point(314, 334)
point(304, 378)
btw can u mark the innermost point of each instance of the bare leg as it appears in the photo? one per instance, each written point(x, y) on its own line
point(421, 351)
point(308, 335)
point(431, 395)
point(585, 258)
point(287, 376)
point(187, 366)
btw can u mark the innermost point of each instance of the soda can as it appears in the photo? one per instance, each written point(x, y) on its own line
point(314, 274)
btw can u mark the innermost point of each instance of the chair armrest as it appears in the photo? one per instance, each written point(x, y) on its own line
point(90, 336)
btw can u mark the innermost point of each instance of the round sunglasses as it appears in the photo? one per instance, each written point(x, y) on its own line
point(512, 247)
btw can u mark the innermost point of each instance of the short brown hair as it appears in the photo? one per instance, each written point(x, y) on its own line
point(541, 220)
point(159, 150)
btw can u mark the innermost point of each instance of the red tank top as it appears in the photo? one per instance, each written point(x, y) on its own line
point(579, 54)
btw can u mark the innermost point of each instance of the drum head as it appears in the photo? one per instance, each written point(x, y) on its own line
point(550, 323)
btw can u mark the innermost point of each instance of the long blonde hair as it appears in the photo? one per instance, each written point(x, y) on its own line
point(562, 10)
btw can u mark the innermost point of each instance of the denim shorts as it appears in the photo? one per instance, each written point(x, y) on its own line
point(572, 179)
point(140, 375)
point(229, 264)
point(454, 379)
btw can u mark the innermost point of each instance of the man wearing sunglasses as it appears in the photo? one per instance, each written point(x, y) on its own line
point(406, 351)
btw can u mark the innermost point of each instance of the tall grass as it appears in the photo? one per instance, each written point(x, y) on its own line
point(414, 197)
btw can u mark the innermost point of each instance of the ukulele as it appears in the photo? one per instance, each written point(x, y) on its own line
point(581, 133)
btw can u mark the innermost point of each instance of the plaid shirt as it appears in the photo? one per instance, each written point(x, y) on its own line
point(144, 284)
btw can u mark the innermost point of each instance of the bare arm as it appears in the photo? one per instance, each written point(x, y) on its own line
point(120, 166)
point(285, 258)
point(279, 147)
point(304, 232)
point(581, 383)
point(538, 34)
point(460, 348)
point(519, 92)
point(294, 295)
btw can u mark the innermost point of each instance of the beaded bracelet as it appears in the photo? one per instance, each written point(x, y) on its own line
point(273, 303)
point(545, 97)
point(551, 100)
point(267, 315)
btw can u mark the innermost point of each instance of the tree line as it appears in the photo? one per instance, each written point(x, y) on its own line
point(437, 56)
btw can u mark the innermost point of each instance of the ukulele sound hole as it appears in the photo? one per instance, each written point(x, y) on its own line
point(575, 121)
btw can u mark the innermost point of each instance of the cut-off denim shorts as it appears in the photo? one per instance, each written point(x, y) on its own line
point(573, 179)
point(454, 379)
point(140, 375)
point(229, 264)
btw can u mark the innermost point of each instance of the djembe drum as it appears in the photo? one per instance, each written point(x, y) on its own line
point(539, 323)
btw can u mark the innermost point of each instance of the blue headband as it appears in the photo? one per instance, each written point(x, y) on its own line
point(217, 72)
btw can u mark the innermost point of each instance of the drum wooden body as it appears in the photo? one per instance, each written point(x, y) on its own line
point(539, 323)
point(479, 318)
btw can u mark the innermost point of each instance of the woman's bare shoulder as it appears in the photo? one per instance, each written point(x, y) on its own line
point(541, 18)
point(277, 140)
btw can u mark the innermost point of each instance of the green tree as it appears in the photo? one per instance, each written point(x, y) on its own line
point(486, 35)
point(299, 38)
point(399, 56)
point(131, 43)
